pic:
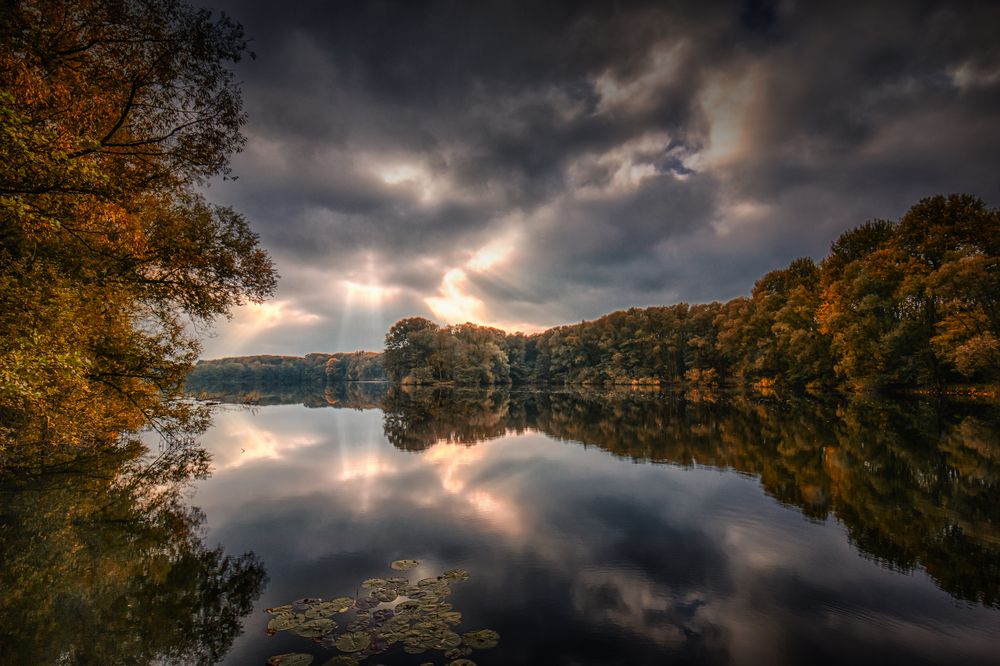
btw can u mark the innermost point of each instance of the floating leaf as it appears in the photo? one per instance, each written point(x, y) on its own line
point(342, 603)
point(354, 641)
point(280, 610)
point(290, 659)
point(451, 617)
point(305, 602)
point(424, 582)
point(315, 628)
point(373, 583)
point(359, 624)
point(404, 565)
point(284, 623)
point(455, 653)
point(382, 614)
point(384, 594)
point(408, 607)
point(448, 640)
point(398, 580)
point(366, 603)
point(462, 662)
point(483, 639)
point(344, 660)
point(457, 575)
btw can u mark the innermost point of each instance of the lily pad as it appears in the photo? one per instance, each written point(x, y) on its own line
point(366, 603)
point(382, 614)
point(280, 610)
point(398, 580)
point(290, 659)
point(484, 639)
point(372, 583)
point(404, 565)
point(343, 660)
point(284, 623)
point(448, 640)
point(325, 609)
point(342, 603)
point(305, 602)
point(384, 594)
point(315, 628)
point(457, 575)
point(359, 624)
point(354, 641)
point(451, 617)
point(462, 662)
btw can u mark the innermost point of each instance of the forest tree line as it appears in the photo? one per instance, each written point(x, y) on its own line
point(911, 303)
point(244, 374)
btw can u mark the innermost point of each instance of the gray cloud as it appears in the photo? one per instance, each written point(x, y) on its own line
point(606, 154)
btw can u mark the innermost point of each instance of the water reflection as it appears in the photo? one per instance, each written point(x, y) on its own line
point(916, 484)
point(103, 562)
point(630, 527)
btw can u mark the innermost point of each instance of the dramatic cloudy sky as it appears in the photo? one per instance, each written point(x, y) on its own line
point(530, 164)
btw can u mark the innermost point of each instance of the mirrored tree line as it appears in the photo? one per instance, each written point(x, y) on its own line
point(916, 483)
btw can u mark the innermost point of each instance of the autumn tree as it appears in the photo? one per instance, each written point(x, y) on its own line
point(915, 303)
point(111, 113)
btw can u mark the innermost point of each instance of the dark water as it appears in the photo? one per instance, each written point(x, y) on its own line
point(597, 528)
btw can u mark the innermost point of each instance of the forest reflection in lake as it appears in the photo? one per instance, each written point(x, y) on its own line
point(722, 528)
point(102, 561)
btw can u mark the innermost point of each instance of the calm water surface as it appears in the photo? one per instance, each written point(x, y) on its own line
point(617, 528)
point(597, 527)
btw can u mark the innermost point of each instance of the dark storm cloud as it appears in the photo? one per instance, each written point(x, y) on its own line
point(628, 153)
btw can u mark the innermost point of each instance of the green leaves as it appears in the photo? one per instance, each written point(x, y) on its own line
point(483, 639)
point(404, 565)
point(423, 621)
point(290, 659)
point(353, 641)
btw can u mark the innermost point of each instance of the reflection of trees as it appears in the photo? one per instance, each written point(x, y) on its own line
point(418, 417)
point(101, 562)
point(915, 485)
point(355, 395)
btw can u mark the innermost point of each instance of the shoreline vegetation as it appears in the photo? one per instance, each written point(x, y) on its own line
point(908, 306)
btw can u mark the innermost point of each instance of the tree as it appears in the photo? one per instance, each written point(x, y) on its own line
point(404, 348)
point(111, 112)
point(916, 302)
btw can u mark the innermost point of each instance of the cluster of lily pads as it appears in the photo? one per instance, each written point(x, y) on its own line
point(393, 610)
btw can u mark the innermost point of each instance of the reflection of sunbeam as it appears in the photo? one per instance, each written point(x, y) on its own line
point(364, 467)
point(364, 464)
point(450, 459)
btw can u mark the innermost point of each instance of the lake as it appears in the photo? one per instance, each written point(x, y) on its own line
point(594, 526)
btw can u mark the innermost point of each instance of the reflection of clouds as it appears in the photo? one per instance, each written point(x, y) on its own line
point(660, 561)
point(455, 464)
point(250, 443)
point(628, 599)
